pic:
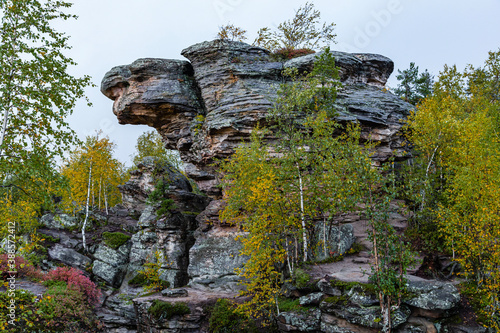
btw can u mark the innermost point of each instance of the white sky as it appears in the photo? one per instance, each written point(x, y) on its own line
point(108, 33)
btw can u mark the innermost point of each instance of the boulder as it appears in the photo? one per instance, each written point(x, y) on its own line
point(69, 257)
point(215, 254)
point(59, 221)
point(433, 295)
point(111, 265)
point(307, 321)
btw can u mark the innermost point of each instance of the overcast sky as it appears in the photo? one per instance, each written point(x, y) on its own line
point(108, 33)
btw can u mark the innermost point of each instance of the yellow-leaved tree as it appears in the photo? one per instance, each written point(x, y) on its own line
point(456, 135)
point(94, 175)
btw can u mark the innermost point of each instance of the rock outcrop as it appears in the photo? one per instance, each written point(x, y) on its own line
point(207, 107)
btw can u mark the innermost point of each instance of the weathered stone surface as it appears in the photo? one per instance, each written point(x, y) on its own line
point(433, 295)
point(311, 299)
point(174, 293)
point(417, 325)
point(109, 273)
point(69, 257)
point(332, 324)
point(309, 321)
point(339, 240)
point(111, 265)
point(59, 221)
point(237, 84)
point(157, 92)
point(326, 288)
point(215, 254)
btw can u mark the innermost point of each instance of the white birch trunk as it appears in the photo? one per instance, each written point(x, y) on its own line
point(86, 209)
point(302, 215)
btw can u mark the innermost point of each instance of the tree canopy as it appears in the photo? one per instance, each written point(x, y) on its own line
point(455, 133)
point(36, 96)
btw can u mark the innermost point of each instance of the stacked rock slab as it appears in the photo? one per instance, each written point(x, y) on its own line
point(207, 107)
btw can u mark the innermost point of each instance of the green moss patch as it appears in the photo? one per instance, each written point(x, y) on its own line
point(114, 239)
point(165, 310)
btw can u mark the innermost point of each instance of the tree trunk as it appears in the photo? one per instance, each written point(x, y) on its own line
point(302, 215)
point(86, 209)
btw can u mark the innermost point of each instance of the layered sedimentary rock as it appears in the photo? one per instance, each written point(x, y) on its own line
point(207, 107)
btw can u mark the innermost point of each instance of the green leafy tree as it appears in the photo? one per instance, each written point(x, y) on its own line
point(456, 132)
point(413, 87)
point(303, 31)
point(278, 193)
point(151, 144)
point(36, 95)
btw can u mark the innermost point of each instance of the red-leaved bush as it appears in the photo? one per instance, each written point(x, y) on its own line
point(285, 54)
point(77, 281)
point(23, 268)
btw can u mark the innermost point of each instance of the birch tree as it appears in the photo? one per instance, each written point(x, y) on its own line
point(36, 95)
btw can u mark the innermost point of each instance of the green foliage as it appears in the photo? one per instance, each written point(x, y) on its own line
point(289, 305)
point(225, 318)
point(303, 31)
point(158, 196)
point(278, 193)
point(36, 96)
point(162, 310)
point(114, 239)
point(355, 248)
point(151, 144)
point(344, 300)
point(61, 309)
point(392, 256)
point(413, 87)
point(300, 278)
point(455, 133)
point(149, 276)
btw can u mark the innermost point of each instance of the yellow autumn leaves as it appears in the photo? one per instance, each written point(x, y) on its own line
point(457, 132)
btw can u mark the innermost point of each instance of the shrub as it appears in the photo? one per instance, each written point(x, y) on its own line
point(22, 266)
point(114, 239)
point(65, 308)
point(141, 280)
point(162, 310)
point(225, 318)
point(151, 275)
point(287, 54)
point(158, 195)
point(301, 278)
point(77, 281)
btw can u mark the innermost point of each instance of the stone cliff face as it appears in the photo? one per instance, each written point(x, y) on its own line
point(206, 107)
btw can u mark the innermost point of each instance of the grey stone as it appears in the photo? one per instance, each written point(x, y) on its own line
point(433, 295)
point(148, 217)
point(231, 85)
point(109, 273)
point(215, 253)
point(69, 257)
point(339, 239)
point(309, 321)
point(110, 256)
point(174, 293)
point(312, 299)
point(59, 221)
point(358, 296)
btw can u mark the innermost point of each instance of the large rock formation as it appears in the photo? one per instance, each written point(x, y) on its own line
point(207, 107)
